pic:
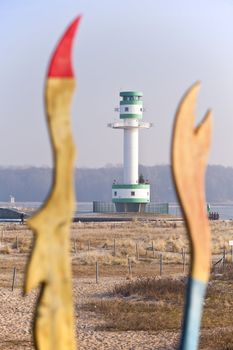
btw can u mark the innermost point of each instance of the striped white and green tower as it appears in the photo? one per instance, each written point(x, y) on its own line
point(131, 195)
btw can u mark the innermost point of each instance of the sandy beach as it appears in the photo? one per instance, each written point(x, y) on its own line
point(17, 313)
point(94, 242)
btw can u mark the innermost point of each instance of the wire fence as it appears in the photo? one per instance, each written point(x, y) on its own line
point(104, 258)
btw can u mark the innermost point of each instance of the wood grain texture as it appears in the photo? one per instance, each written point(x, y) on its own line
point(190, 147)
point(50, 262)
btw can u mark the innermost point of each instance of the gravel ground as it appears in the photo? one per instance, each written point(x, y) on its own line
point(17, 312)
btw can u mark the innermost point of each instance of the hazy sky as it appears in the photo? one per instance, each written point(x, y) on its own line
point(159, 47)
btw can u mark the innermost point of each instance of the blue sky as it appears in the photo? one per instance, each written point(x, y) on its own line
point(159, 47)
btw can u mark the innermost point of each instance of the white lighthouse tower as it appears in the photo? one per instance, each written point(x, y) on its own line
point(133, 194)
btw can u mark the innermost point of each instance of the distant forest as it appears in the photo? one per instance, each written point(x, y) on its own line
point(33, 184)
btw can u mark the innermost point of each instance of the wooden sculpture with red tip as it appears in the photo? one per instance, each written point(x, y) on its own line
point(60, 65)
point(49, 265)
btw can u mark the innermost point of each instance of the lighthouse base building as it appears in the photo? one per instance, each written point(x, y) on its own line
point(133, 194)
point(130, 198)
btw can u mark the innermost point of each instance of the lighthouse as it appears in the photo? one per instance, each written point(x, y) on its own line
point(133, 194)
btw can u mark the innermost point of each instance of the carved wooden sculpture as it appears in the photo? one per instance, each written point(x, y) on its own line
point(190, 146)
point(49, 264)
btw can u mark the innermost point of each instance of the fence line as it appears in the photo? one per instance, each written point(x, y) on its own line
point(217, 266)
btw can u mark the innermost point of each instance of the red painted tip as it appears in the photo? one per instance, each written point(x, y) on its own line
point(60, 65)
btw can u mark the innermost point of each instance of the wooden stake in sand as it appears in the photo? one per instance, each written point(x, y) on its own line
point(224, 259)
point(75, 247)
point(130, 268)
point(137, 251)
point(13, 279)
point(161, 264)
point(97, 272)
point(153, 249)
point(17, 243)
point(183, 259)
point(114, 247)
point(190, 147)
point(49, 263)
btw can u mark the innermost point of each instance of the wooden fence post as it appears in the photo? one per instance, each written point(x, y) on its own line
point(97, 272)
point(182, 253)
point(161, 264)
point(75, 247)
point(13, 280)
point(153, 249)
point(224, 259)
point(114, 247)
point(130, 268)
point(137, 251)
point(183, 259)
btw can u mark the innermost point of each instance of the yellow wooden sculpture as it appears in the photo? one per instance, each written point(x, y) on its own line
point(49, 265)
point(190, 147)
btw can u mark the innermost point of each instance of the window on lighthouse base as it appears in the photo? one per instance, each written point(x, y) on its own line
point(132, 193)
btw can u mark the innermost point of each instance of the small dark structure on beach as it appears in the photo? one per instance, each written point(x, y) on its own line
point(11, 214)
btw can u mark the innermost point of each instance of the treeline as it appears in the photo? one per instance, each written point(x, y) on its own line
point(33, 184)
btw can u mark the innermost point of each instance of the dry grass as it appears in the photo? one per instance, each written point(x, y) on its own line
point(144, 304)
point(155, 288)
point(167, 237)
point(149, 303)
point(217, 339)
point(91, 242)
point(128, 316)
point(157, 304)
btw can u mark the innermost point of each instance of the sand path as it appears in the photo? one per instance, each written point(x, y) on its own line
point(16, 313)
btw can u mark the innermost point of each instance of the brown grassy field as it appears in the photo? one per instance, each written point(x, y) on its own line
point(125, 307)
